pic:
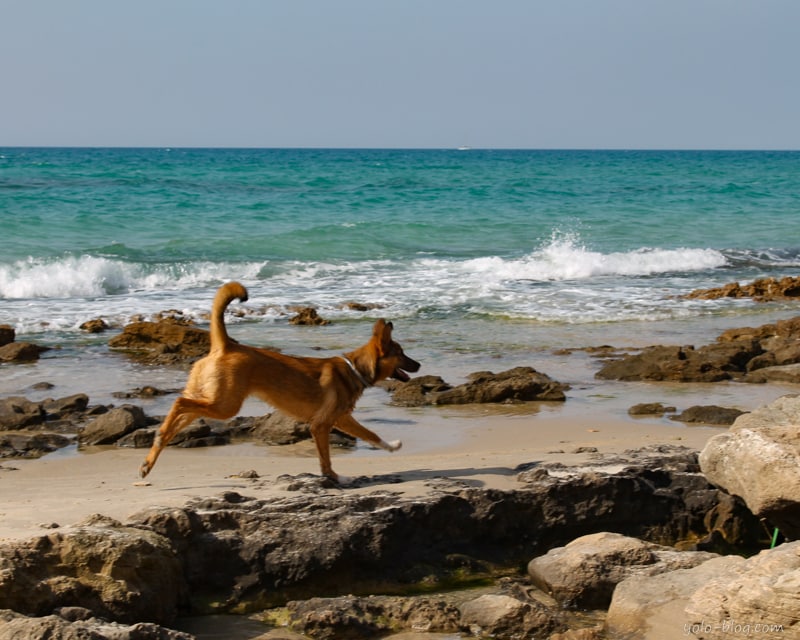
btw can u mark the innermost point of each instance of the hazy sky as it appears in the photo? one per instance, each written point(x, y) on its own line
point(401, 73)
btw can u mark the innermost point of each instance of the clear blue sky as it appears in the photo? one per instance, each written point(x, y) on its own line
point(401, 73)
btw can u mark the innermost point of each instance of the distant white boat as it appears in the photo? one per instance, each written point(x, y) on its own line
point(464, 148)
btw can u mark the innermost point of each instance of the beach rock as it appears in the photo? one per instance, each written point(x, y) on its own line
point(248, 554)
point(653, 607)
point(724, 597)
point(21, 352)
point(121, 573)
point(308, 316)
point(784, 373)
point(711, 363)
point(504, 616)
point(418, 391)
point(758, 596)
point(278, 428)
point(761, 290)
point(26, 444)
point(735, 355)
point(17, 412)
point(7, 334)
point(371, 616)
point(521, 384)
point(111, 426)
point(650, 409)
point(65, 407)
point(708, 414)
point(584, 573)
point(758, 459)
point(14, 626)
point(97, 325)
point(168, 341)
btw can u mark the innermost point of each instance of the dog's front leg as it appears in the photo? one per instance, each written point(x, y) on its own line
point(351, 426)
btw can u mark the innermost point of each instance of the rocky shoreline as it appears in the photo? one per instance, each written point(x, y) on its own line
point(661, 541)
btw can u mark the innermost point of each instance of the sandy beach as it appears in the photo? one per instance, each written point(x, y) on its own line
point(65, 488)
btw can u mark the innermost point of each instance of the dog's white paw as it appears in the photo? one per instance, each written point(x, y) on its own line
point(394, 445)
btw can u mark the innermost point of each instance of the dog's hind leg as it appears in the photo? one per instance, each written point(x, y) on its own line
point(351, 426)
point(183, 413)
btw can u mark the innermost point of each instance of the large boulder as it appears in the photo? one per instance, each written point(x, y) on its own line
point(118, 572)
point(653, 607)
point(758, 596)
point(725, 597)
point(585, 572)
point(21, 352)
point(17, 412)
point(758, 459)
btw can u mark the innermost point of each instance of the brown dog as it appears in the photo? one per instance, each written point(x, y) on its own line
point(319, 391)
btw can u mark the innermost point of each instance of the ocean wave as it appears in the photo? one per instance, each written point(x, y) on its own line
point(564, 259)
point(91, 277)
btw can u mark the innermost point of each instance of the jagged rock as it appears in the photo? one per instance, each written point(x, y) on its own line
point(761, 290)
point(7, 334)
point(120, 573)
point(21, 352)
point(585, 572)
point(758, 459)
point(711, 363)
point(168, 341)
point(721, 598)
point(18, 627)
point(708, 414)
point(255, 553)
point(308, 316)
point(17, 412)
point(111, 426)
point(502, 616)
point(521, 384)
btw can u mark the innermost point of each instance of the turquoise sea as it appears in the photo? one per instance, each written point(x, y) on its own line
point(474, 254)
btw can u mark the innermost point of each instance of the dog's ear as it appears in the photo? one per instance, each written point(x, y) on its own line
point(383, 332)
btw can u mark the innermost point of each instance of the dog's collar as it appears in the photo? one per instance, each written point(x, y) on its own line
point(359, 375)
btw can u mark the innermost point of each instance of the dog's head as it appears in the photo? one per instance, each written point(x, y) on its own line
point(390, 361)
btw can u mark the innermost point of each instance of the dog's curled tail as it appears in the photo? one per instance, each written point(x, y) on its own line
point(225, 295)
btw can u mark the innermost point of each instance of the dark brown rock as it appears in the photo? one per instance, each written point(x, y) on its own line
point(308, 316)
point(111, 426)
point(21, 352)
point(650, 409)
point(17, 412)
point(7, 334)
point(762, 290)
point(709, 414)
point(95, 326)
point(14, 626)
point(27, 444)
point(165, 342)
point(521, 384)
